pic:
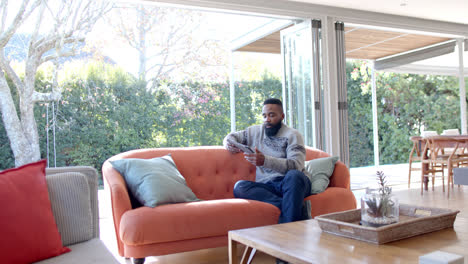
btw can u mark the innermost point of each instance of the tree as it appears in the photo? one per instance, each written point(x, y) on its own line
point(59, 27)
point(166, 40)
point(359, 116)
point(104, 112)
point(407, 104)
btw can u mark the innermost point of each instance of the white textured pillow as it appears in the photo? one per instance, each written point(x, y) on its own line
point(71, 206)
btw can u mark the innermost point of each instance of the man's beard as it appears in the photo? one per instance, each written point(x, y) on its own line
point(271, 131)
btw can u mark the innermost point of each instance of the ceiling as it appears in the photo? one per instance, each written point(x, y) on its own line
point(364, 43)
point(455, 11)
point(361, 43)
point(268, 44)
point(373, 44)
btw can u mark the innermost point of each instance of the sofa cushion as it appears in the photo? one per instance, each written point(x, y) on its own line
point(90, 252)
point(154, 181)
point(27, 226)
point(193, 220)
point(319, 172)
point(93, 182)
point(71, 205)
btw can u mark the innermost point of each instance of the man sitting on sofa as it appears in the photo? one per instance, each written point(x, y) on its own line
point(279, 155)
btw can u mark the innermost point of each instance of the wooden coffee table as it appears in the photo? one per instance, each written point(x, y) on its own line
point(304, 242)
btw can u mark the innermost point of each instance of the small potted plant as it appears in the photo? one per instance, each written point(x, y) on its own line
point(379, 207)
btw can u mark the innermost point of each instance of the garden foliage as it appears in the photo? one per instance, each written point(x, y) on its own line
point(105, 111)
point(407, 104)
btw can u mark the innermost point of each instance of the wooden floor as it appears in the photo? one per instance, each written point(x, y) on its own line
point(437, 198)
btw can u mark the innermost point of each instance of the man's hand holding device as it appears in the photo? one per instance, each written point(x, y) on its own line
point(257, 158)
point(238, 147)
point(253, 156)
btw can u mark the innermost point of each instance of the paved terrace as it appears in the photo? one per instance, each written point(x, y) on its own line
point(396, 175)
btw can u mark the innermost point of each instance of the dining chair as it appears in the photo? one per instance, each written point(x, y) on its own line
point(429, 168)
point(418, 145)
point(415, 155)
point(451, 132)
point(429, 133)
point(436, 159)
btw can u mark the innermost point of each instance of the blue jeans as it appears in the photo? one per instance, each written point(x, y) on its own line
point(287, 193)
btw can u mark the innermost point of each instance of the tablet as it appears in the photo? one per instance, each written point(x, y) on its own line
point(242, 147)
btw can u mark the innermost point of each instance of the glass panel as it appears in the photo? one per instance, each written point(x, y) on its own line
point(299, 98)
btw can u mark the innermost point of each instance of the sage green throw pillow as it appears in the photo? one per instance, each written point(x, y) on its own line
point(154, 181)
point(319, 172)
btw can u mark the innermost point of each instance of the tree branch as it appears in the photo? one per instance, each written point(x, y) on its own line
point(20, 17)
point(55, 95)
point(4, 9)
point(45, 45)
point(154, 66)
point(5, 65)
point(58, 55)
point(35, 33)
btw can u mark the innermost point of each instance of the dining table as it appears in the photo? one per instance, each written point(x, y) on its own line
point(443, 141)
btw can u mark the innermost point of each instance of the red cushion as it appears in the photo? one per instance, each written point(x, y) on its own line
point(27, 226)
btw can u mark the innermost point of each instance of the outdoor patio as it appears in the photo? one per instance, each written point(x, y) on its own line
point(397, 177)
point(396, 174)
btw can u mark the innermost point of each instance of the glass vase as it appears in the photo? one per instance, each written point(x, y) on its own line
point(379, 210)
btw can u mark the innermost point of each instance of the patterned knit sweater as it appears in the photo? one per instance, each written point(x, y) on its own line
point(283, 152)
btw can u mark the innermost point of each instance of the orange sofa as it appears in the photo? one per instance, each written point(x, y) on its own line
point(211, 173)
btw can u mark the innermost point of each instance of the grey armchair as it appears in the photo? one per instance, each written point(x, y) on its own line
point(74, 200)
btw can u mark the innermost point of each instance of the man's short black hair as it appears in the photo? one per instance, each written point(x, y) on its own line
point(273, 101)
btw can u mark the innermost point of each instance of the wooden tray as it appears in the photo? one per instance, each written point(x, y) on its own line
point(414, 220)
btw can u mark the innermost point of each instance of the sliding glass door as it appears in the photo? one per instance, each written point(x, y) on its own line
point(302, 89)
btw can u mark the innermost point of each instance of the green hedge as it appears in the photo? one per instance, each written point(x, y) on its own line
point(105, 111)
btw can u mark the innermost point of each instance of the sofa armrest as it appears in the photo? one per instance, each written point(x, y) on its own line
point(340, 177)
point(92, 178)
point(115, 186)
